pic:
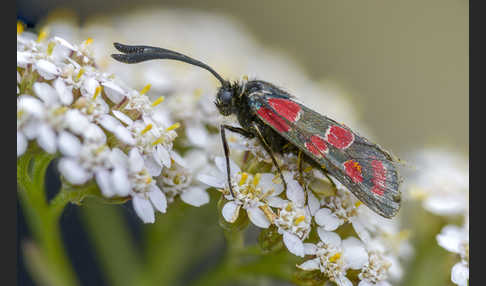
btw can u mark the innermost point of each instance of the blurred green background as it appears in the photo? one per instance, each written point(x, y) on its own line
point(405, 63)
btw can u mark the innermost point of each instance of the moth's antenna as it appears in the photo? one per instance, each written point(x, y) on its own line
point(137, 54)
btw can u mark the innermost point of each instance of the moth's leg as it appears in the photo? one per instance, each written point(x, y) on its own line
point(300, 162)
point(238, 130)
point(326, 173)
point(270, 152)
point(226, 148)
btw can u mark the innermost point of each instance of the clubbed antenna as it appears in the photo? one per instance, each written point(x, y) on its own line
point(137, 54)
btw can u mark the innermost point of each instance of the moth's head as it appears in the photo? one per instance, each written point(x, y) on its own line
point(225, 100)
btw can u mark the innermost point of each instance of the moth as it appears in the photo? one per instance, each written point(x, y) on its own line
point(278, 120)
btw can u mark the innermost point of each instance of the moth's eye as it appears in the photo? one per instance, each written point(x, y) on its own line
point(225, 96)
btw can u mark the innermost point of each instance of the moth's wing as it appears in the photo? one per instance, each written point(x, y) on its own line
point(366, 169)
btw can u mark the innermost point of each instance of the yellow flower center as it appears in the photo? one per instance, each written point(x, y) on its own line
point(146, 129)
point(335, 257)
point(158, 101)
point(174, 126)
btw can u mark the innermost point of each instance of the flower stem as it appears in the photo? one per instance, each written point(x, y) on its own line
point(43, 222)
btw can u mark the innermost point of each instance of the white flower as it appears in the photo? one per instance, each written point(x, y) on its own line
point(179, 180)
point(83, 160)
point(334, 256)
point(152, 138)
point(442, 182)
point(460, 274)
point(375, 271)
point(253, 193)
point(294, 224)
point(130, 177)
point(456, 240)
point(337, 209)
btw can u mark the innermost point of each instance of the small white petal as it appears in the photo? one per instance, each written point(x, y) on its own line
point(178, 159)
point(21, 143)
point(118, 158)
point(76, 121)
point(230, 211)
point(113, 91)
point(452, 204)
point(277, 202)
point(89, 87)
point(144, 209)
point(258, 217)
point(221, 165)
point(94, 133)
point(31, 129)
point(65, 94)
point(329, 237)
point(108, 122)
point(152, 166)
point(197, 135)
point(267, 184)
point(46, 138)
point(310, 249)
point(120, 182)
point(136, 162)
point(450, 238)
point(45, 92)
point(46, 69)
point(212, 181)
point(354, 253)
point(325, 218)
point(62, 49)
point(309, 265)
point(158, 199)
point(162, 155)
point(122, 117)
point(361, 231)
point(124, 135)
point(293, 244)
point(103, 180)
point(460, 274)
point(63, 43)
point(31, 105)
point(197, 158)
point(195, 196)
point(295, 193)
point(313, 203)
point(69, 144)
point(73, 172)
point(24, 58)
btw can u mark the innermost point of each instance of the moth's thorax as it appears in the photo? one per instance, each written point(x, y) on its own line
point(240, 98)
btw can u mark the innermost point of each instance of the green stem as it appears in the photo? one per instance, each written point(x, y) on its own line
point(43, 223)
point(69, 195)
point(242, 262)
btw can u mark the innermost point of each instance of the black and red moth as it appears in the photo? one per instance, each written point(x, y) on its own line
point(275, 117)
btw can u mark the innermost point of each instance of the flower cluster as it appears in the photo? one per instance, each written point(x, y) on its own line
point(443, 188)
point(375, 251)
point(155, 146)
point(101, 129)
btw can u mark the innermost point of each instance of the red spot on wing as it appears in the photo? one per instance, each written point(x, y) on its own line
point(379, 177)
point(316, 145)
point(286, 108)
point(353, 170)
point(283, 108)
point(273, 119)
point(339, 137)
